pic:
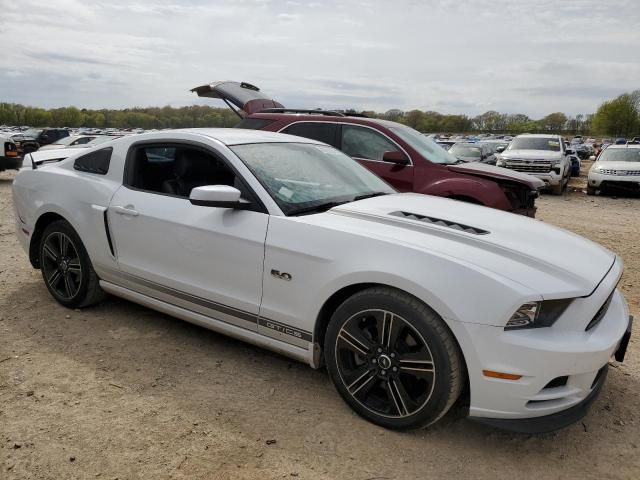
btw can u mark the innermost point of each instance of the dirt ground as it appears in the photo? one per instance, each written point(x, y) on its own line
point(120, 391)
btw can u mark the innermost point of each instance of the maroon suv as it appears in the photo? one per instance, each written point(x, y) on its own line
point(404, 157)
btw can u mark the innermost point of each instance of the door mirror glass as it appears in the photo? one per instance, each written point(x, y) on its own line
point(395, 157)
point(501, 149)
point(221, 196)
point(570, 151)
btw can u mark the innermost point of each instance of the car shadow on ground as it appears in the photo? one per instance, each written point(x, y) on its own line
point(151, 353)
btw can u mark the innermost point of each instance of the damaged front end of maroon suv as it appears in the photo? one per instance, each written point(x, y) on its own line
point(402, 156)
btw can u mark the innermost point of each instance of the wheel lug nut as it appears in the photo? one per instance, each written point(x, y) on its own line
point(383, 372)
point(393, 355)
point(373, 360)
point(379, 350)
point(395, 369)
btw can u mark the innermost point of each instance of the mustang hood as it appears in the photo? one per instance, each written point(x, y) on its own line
point(489, 171)
point(509, 244)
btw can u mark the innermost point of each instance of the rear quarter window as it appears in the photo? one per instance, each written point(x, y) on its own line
point(95, 162)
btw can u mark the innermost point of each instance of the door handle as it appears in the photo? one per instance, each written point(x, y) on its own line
point(125, 211)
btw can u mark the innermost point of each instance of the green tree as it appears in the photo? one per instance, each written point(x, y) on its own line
point(618, 117)
point(554, 122)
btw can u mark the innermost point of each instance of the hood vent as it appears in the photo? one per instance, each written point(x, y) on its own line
point(440, 222)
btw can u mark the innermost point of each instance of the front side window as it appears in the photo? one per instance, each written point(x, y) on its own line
point(365, 143)
point(321, 131)
point(176, 169)
point(303, 177)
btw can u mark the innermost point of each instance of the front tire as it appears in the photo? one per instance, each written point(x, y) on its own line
point(66, 267)
point(393, 359)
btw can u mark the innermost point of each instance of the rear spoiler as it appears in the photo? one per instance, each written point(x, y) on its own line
point(48, 156)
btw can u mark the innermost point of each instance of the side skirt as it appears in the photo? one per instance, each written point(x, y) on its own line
point(297, 353)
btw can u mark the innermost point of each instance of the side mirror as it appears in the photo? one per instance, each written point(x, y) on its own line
point(501, 149)
point(221, 196)
point(395, 157)
point(569, 151)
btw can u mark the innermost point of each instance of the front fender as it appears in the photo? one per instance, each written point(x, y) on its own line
point(483, 192)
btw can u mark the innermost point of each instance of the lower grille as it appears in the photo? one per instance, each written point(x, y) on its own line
point(620, 173)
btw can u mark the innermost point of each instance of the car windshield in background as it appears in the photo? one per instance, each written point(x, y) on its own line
point(426, 147)
point(620, 155)
point(307, 178)
point(32, 132)
point(463, 151)
point(99, 140)
point(535, 143)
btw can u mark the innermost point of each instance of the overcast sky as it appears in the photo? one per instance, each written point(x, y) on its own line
point(452, 56)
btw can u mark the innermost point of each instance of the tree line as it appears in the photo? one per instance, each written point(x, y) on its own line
point(616, 117)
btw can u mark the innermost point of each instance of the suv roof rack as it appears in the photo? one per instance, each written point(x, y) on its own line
point(298, 110)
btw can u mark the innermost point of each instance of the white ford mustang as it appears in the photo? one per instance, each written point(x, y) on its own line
point(409, 300)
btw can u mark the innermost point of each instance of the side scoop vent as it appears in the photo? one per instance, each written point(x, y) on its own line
point(440, 222)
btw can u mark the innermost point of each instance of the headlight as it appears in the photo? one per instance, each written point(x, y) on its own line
point(537, 314)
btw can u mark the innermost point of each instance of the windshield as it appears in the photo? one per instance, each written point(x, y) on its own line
point(306, 178)
point(32, 132)
point(535, 143)
point(426, 147)
point(464, 151)
point(620, 155)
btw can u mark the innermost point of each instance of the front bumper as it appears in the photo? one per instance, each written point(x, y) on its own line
point(563, 418)
point(559, 365)
point(10, 163)
point(626, 182)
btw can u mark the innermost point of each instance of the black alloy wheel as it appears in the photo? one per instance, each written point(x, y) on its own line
point(385, 363)
point(61, 265)
point(393, 359)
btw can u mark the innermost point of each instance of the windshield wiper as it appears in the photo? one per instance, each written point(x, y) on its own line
point(323, 207)
point(369, 195)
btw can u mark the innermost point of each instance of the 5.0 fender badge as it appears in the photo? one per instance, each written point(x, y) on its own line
point(281, 275)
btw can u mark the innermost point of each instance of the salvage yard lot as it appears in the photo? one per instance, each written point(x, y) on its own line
point(118, 390)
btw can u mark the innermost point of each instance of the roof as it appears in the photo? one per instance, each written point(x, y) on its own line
point(538, 135)
point(346, 118)
point(618, 147)
point(237, 136)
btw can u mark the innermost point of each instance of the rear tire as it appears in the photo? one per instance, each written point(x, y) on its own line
point(393, 359)
point(557, 189)
point(591, 190)
point(66, 267)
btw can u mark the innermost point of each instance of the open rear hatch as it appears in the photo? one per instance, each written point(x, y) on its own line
point(244, 96)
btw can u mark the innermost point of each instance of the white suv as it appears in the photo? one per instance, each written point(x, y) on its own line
point(618, 166)
point(543, 156)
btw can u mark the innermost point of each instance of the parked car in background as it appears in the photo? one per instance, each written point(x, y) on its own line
point(544, 156)
point(473, 152)
point(446, 144)
point(9, 158)
point(289, 244)
point(620, 141)
point(37, 137)
point(70, 141)
point(617, 167)
point(402, 156)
